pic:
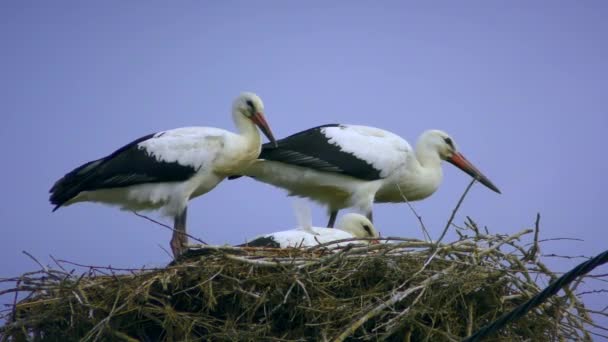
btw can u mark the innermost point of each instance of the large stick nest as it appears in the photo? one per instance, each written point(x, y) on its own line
point(403, 290)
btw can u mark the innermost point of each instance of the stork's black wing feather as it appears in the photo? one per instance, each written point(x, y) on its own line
point(129, 165)
point(312, 149)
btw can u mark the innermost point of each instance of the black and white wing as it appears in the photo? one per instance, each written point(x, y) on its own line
point(169, 156)
point(358, 151)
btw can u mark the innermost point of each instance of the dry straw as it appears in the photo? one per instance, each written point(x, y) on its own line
point(361, 292)
point(401, 290)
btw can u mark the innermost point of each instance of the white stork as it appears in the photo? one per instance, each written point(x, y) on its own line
point(349, 226)
point(344, 166)
point(167, 169)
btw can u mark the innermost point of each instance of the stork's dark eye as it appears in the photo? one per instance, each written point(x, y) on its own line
point(250, 104)
point(368, 229)
point(449, 141)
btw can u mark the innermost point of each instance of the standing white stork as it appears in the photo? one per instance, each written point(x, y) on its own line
point(167, 169)
point(345, 166)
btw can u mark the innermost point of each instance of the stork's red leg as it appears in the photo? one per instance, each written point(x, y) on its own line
point(179, 240)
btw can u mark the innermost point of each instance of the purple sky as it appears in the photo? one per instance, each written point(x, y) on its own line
point(520, 87)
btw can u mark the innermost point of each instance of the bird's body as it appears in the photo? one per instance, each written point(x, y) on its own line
point(161, 170)
point(345, 166)
point(351, 225)
point(301, 238)
point(166, 169)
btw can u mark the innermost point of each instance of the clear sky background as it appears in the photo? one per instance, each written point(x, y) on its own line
point(522, 88)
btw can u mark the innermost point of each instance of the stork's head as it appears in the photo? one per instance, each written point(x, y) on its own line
point(358, 225)
point(251, 107)
point(441, 143)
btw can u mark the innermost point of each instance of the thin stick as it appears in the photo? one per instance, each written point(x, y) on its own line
point(449, 223)
point(471, 306)
point(561, 238)
point(36, 261)
point(168, 227)
point(165, 250)
point(425, 232)
point(262, 263)
point(353, 239)
point(110, 268)
point(57, 263)
point(535, 249)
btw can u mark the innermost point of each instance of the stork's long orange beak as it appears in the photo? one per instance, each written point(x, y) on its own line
point(260, 121)
point(462, 163)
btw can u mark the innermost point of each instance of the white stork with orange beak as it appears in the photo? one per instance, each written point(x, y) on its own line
point(344, 166)
point(167, 169)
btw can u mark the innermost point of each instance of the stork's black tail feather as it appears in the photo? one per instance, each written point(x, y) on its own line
point(70, 185)
point(264, 241)
point(125, 166)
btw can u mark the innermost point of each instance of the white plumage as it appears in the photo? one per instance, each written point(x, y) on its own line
point(350, 226)
point(166, 169)
point(345, 166)
point(383, 150)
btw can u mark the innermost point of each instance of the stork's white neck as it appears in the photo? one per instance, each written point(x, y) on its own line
point(246, 129)
point(427, 155)
point(240, 149)
point(423, 174)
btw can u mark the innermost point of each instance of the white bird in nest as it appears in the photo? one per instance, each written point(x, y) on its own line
point(344, 166)
point(349, 226)
point(165, 170)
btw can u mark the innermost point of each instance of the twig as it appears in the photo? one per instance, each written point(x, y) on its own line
point(167, 226)
point(341, 241)
point(454, 211)
point(591, 292)
point(425, 232)
point(305, 292)
point(395, 298)
point(598, 275)
point(471, 309)
point(110, 268)
point(552, 255)
point(507, 240)
point(169, 254)
point(44, 268)
point(262, 263)
point(447, 225)
point(560, 239)
point(399, 296)
point(535, 249)
point(57, 263)
point(202, 283)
